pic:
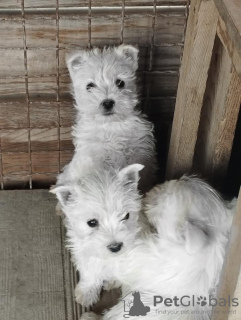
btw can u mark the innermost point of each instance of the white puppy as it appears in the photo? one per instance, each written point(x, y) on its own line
point(177, 270)
point(109, 130)
point(102, 221)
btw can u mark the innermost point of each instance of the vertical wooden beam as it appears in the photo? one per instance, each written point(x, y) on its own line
point(229, 44)
point(218, 118)
point(231, 267)
point(230, 13)
point(200, 35)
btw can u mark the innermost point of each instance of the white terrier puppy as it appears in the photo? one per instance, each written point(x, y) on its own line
point(102, 221)
point(182, 260)
point(109, 131)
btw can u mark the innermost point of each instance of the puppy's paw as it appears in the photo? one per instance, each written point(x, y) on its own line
point(90, 316)
point(58, 210)
point(86, 297)
point(109, 285)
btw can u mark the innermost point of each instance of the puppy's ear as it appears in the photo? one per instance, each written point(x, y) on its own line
point(196, 234)
point(75, 61)
point(130, 174)
point(130, 53)
point(63, 193)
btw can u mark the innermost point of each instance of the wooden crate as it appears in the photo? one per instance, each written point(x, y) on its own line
point(206, 113)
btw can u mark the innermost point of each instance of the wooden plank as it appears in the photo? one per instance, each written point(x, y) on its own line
point(230, 12)
point(41, 62)
point(13, 182)
point(12, 87)
point(198, 47)
point(31, 271)
point(43, 30)
point(77, 3)
point(43, 114)
point(219, 117)
point(231, 267)
point(65, 158)
point(44, 139)
point(14, 140)
point(11, 34)
point(45, 162)
point(16, 164)
point(43, 180)
point(66, 139)
point(13, 114)
point(229, 45)
point(12, 63)
point(67, 114)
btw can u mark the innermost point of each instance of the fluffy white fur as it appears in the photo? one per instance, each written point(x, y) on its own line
point(186, 254)
point(108, 138)
point(112, 199)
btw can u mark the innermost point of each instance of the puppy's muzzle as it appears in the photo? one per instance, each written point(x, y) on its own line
point(108, 104)
point(115, 247)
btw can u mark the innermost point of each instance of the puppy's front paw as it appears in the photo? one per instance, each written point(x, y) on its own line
point(90, 316)
point(112, 284)
point(86, 297)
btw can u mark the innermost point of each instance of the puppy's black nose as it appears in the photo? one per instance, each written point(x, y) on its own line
point(108, 104)
point(115, 247)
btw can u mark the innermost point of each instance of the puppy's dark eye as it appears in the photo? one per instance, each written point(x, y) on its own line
point(120, 83)
point(90, 86)
point(93, 223)
point(126, 217)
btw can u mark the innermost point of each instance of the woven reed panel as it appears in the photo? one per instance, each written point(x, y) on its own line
point(36, 109)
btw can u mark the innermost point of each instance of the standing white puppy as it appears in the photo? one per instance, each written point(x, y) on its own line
point(109, 131)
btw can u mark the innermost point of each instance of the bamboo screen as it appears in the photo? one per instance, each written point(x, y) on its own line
point(36, 109)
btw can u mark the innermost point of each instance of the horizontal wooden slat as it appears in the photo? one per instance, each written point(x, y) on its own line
point(40, 32)
point(10, 87)
point(65, 158)
point(66, 139)
point(15, 163)
point(44, 139)
point(67, 114)
point(11, 34)
point(94, 3)
point(43, 114)
point(43, 180)
point(43, 162)
point(20, 181)
point(14, 140)
point(12, 63)
point(42, 85)
point(13, 114)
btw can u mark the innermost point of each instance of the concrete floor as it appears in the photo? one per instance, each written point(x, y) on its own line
point(37, 279)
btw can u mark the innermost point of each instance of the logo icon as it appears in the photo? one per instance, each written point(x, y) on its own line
point(202, 301)
point(134, 306)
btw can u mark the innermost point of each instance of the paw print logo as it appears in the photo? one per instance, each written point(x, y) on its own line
point(202, 301)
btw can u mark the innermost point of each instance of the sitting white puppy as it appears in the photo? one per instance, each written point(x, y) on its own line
point(109, 130)
point(102, 221)
point(174, 273)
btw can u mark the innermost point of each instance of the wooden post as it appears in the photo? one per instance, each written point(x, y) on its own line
point(229, 29)
point(218, 118)
point(231, 267)
point(200, 36)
